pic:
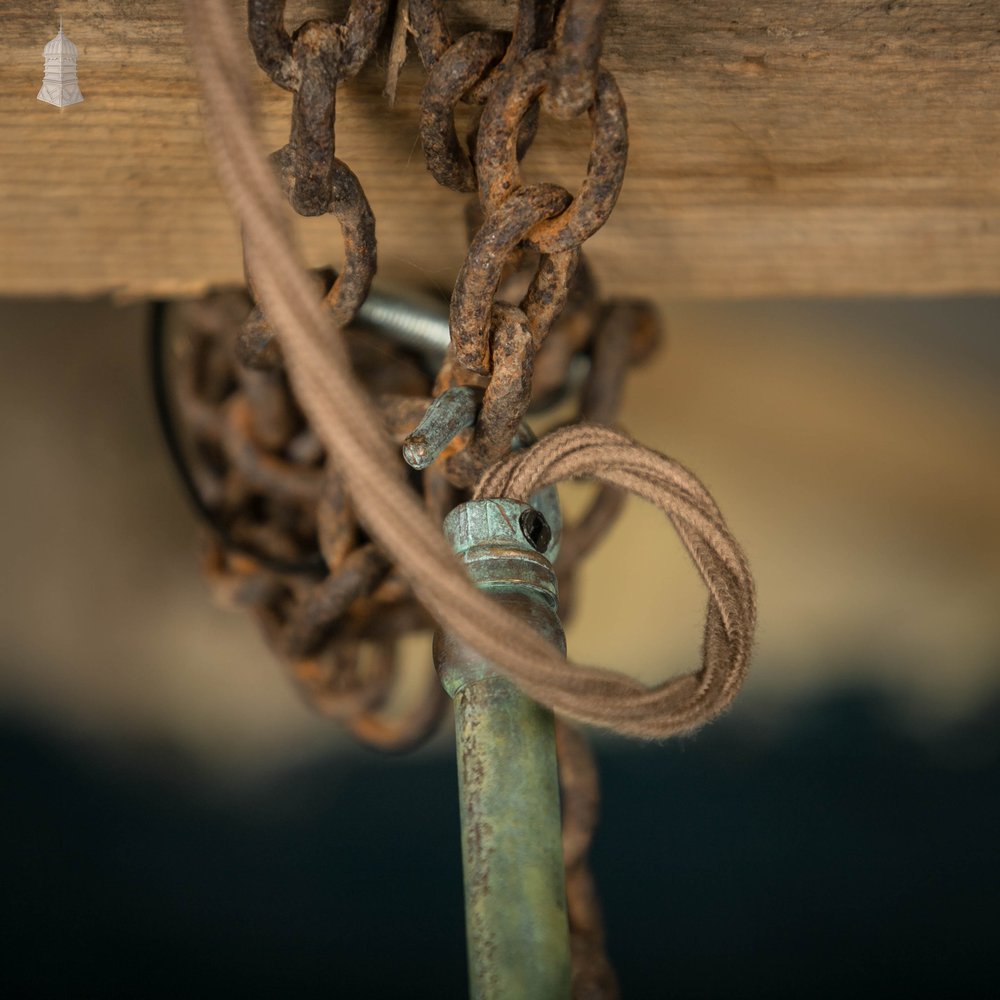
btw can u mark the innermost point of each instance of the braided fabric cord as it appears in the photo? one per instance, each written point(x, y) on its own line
point(351, 430)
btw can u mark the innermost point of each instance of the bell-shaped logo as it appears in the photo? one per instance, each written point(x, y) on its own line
point(60, 86)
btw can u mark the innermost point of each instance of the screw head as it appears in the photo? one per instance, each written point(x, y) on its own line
point(535, 529)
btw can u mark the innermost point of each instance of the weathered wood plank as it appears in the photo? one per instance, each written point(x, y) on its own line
point(777, 148)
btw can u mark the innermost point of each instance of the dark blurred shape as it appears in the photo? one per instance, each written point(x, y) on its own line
point(827, 852)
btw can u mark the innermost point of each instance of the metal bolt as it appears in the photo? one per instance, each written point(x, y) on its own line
point(414, 321)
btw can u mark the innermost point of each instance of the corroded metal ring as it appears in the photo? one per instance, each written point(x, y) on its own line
point(257, 346)
point(548, 292)
point(351, 209)
point(355, 683)
point(345, 47)
point(477, 282)
point(576, 55)
point(455, 73)
point(496, 153)
point(272, 45)
point(336, 526)
point(506, 399)
point(310, 63)
point(318, 615)
point(429, 30)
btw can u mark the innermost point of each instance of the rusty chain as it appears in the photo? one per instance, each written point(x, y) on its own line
point(310, 63)
point(286, 543)
point(525, 318)
point(524, 346)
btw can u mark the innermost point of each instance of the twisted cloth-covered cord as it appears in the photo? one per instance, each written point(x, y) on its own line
point(351, 431)
point(590, 451)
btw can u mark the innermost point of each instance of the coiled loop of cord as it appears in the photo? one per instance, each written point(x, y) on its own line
point(587, 451)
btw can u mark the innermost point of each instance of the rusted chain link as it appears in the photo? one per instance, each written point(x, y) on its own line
point(497, 160)
point(285, 542)
point(311, 62)
point(576, 54)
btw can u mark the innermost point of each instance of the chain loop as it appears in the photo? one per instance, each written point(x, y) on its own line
point(455, 73)
point(342, 48)
point(497, 161)
point(576, 54)
point(489, 252)
point(506, 398)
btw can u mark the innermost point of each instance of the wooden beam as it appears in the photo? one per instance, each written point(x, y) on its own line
point(778, 148)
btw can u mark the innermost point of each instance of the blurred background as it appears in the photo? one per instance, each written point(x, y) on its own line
point(175, 820)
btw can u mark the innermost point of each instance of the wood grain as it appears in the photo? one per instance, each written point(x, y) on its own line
point(778, 148)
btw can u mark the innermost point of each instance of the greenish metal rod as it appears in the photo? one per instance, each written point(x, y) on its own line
point(515, 893)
